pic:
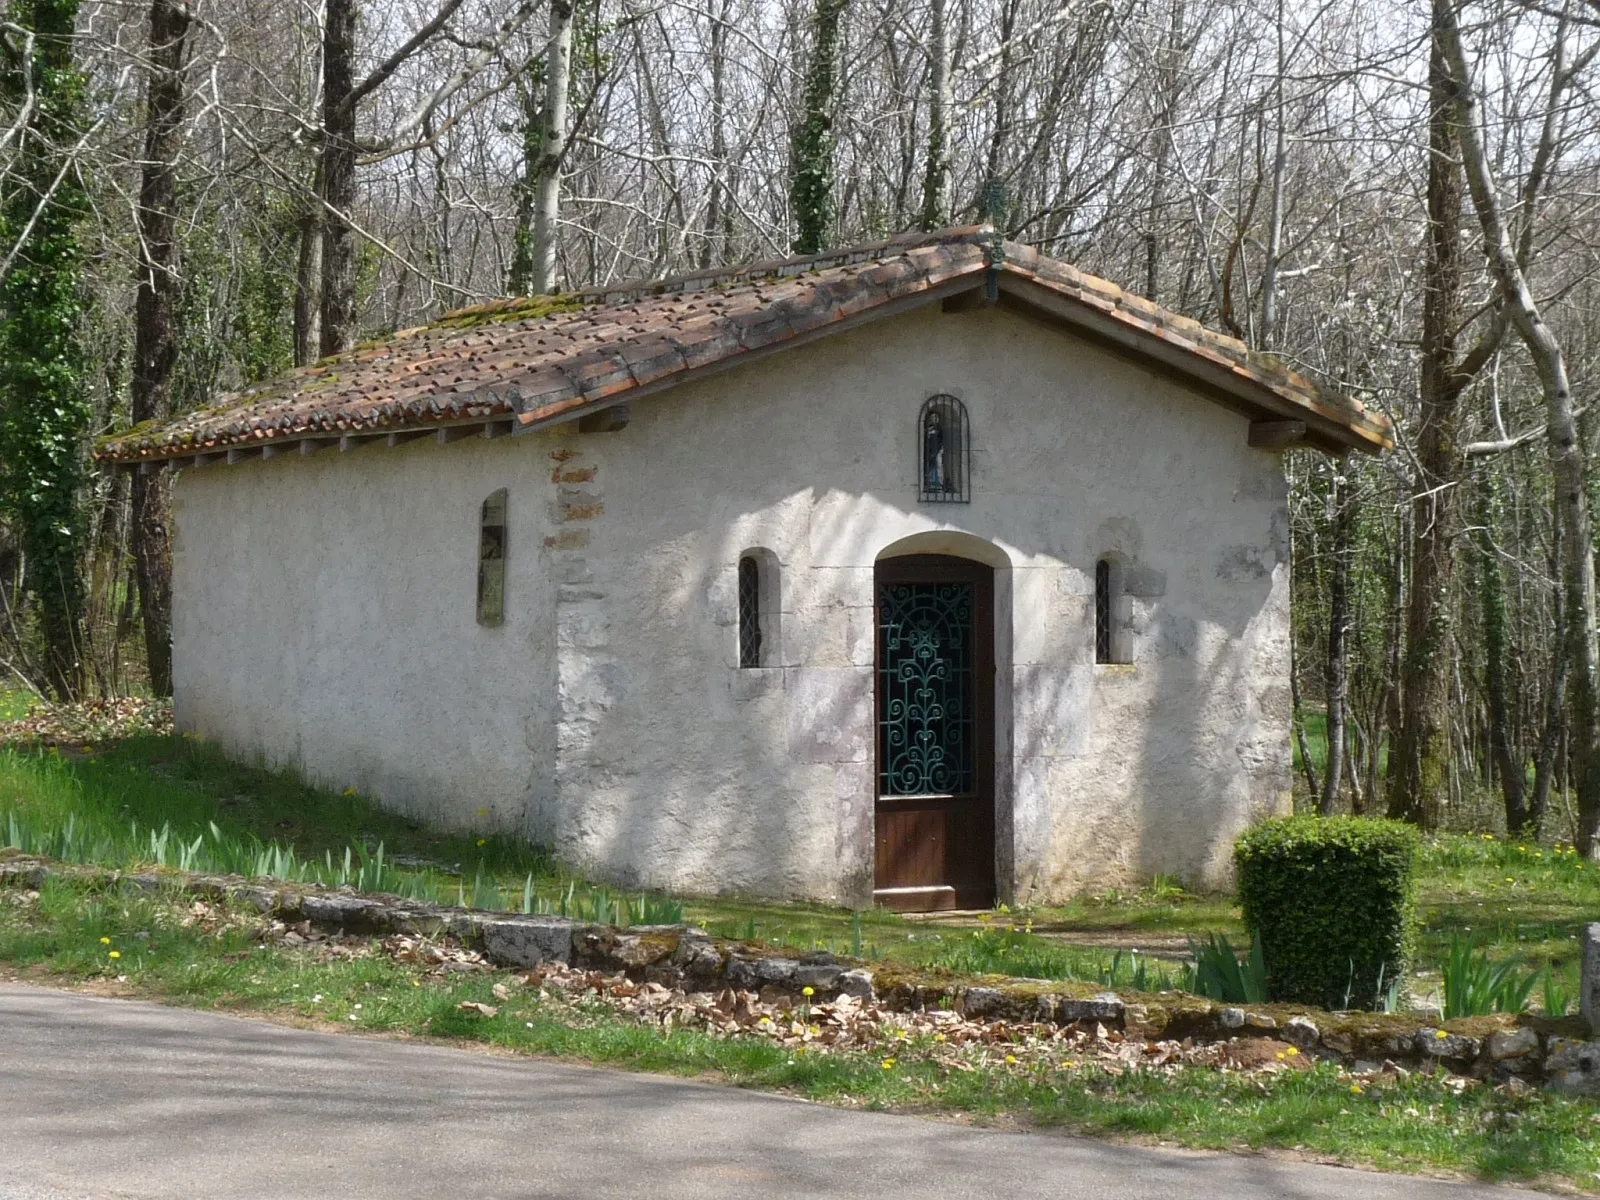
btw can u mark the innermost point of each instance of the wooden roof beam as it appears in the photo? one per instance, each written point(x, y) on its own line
point(1277, 435)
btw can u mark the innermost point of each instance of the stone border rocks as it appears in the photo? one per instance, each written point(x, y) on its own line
point(1529, 1048)
point(1589, 1001)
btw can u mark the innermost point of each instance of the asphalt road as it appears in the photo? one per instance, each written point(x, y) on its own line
point(115, 1098)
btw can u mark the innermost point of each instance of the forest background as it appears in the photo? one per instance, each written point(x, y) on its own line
point(1396, 197)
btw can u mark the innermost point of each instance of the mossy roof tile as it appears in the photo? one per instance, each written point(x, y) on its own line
point(545, 358)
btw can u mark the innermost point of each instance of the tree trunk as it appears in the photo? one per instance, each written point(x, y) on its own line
point(1272, 254)
point(1297, 719)
point(936, 180)
point(553, 151)
point(811, 153)
point(308, 279)
point(1420, 758)
point(1546, 762)
point(719, 204)
point(155, 343)
point(1338, 677)
point(1567, 467)
point(1497, 652)
point(338, 173)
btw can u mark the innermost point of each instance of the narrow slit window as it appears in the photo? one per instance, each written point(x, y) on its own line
point(492, 559)
point(749, 612)
point(944, 452)
point(1111, 634)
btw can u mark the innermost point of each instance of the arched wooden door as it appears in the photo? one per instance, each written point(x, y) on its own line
point(935, 733)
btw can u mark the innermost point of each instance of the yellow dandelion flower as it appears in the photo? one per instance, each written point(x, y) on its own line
point(1355, 1089)
point(1440, 1033)
point(1291, 1052)
point(1011, 1060)
point(105, 941)
point(888, 1064)
point(349, 791)
point(808, 991)
point(938, 1037)
point(1279, 1056)
point(115, 954)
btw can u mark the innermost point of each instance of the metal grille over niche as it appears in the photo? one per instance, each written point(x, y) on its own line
point(944, 452)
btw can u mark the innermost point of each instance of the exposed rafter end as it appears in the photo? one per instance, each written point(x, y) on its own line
point(1277, 435)
point(607, 420)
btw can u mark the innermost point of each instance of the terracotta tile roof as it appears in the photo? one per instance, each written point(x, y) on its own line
point(533, 362)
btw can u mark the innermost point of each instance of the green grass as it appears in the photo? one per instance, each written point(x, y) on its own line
point(68, 934)
point(1526, 903)
point(1315, 725)
point(172, 801)
point(15, 703)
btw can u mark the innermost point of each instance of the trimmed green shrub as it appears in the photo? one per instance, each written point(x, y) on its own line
point(1333, 900)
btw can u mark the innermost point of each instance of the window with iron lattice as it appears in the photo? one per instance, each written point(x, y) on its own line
point(1113, 640)
point(749, 612)
point(492, 559)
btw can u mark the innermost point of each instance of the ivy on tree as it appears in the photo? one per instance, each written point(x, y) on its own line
point(811, 181)
point(44, 412)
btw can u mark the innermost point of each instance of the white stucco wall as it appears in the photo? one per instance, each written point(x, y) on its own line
point(324, 616)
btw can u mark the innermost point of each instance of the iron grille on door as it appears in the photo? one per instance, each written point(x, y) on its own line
point(925, 667)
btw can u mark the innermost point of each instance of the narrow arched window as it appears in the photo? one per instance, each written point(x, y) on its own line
point(1112, 640)
point(944, 451)
point(749, 611)
point(492, 559)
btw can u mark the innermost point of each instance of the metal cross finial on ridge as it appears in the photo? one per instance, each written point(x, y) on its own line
point(993, 203)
